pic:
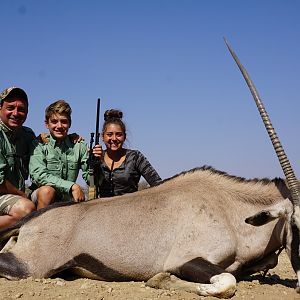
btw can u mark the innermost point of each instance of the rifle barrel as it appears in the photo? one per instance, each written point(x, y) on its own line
point(97, 123)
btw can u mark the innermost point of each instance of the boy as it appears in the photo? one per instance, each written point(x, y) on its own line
point(55, 164)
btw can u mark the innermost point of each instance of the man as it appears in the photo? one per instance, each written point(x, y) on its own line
point(15, 145)
point(55, 164)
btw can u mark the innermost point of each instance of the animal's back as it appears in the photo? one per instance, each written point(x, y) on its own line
point(140, 234)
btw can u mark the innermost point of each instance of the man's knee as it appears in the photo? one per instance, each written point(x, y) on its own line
point(22, 208)
point(43, 196)
point(46, 190)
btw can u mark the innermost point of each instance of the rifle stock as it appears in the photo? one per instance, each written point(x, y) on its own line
point(94, 168)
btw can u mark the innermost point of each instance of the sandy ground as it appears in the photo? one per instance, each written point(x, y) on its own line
point(279, 284)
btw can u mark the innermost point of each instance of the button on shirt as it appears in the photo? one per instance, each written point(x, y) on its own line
point(58, 164)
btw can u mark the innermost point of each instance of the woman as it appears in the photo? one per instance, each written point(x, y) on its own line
point(122, 167)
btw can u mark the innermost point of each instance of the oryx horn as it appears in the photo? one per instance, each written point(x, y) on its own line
point(283, 159)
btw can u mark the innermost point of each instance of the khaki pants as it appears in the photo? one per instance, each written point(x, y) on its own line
point(6, 203)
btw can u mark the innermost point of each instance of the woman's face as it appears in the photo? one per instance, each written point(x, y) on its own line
point(113, 137)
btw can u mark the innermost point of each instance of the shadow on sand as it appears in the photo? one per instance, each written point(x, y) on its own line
point(271, 280)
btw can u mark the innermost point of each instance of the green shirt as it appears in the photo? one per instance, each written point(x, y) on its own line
point(58, 164)
point(14, 154)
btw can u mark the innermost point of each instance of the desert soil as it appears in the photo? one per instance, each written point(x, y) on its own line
point(279, 284)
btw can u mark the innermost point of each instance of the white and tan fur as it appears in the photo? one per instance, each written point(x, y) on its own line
point(191, 226)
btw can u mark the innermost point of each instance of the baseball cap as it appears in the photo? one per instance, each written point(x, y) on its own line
point(13, 91)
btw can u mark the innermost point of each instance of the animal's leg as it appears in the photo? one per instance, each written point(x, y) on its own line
point(222, 285)
point(264, 265)
point(197, 270)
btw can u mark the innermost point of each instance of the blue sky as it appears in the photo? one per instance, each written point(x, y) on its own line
point(165, 65)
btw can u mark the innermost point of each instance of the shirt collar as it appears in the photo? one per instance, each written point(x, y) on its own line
point(5, 128)
point(66, 142)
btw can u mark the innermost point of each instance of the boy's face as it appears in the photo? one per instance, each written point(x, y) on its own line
point(58, 126)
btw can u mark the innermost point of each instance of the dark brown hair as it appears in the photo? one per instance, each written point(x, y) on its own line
point(113, 116)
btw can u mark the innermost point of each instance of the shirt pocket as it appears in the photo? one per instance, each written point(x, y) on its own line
point(73, 170)
point(72, 165)
point(53, 166)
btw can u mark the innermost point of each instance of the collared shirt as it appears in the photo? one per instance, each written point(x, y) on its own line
point(126, 177)
point(14, 154)
point(58, 164)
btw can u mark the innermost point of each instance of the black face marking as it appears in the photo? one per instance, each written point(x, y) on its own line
point(11, 267)
point(295, 259)
point(259, 219)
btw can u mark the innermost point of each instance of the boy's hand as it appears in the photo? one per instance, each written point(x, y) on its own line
point(77, 193)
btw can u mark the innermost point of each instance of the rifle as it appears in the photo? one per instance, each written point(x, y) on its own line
point(94, 166)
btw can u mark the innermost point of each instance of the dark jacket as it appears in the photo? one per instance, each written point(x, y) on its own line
point(126, 177)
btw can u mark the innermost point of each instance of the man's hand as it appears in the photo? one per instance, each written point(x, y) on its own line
point(75, 138)
point(77, 193)
point(43, 138)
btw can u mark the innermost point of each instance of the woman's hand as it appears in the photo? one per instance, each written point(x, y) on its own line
point(98, 152)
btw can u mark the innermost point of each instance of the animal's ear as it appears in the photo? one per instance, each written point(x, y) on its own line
point(261, 218)
point(280, 210)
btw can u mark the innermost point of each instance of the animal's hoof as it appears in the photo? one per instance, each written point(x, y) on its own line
point(156, 280)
